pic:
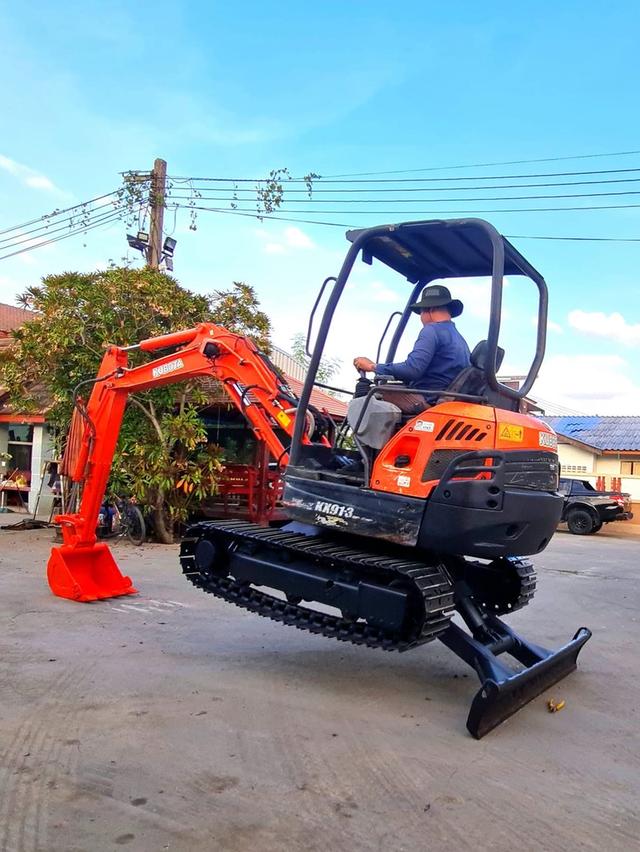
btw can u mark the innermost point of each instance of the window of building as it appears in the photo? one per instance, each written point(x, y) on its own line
point(630, 468)
point(574, 468)
point(20, 445)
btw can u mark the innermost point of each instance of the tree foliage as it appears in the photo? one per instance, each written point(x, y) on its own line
point(327, 368)
point(163, 457)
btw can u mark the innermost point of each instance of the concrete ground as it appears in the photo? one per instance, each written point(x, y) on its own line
point(171, 720)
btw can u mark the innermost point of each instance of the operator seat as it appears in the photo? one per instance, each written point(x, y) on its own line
point(472, 379)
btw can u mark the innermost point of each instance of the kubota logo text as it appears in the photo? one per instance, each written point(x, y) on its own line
point(169, 367)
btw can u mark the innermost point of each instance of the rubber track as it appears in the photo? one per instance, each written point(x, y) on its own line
point(526, 586)
point(526, 573)
point(430, 580)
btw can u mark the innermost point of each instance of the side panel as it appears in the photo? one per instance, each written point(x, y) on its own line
point(413, 460)
point(351, 509)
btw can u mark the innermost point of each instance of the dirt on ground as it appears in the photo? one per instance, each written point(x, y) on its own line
point(171, 720)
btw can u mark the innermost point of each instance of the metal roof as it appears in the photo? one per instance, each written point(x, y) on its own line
point(12, 317)
point(603, 433)
point(441, 248)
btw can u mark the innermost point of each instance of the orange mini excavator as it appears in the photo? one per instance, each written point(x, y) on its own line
point(432, 513)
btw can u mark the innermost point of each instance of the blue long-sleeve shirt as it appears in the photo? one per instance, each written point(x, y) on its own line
point(439, 354)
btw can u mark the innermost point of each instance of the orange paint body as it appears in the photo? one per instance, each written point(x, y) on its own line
point(407, 465)
point(83, 569)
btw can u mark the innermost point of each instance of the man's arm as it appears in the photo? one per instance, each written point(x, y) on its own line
point(418, 360)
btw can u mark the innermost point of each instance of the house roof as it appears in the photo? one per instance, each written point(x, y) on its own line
point(322, 401)
point(607, 434)
point(319, 399)
point(12, 317)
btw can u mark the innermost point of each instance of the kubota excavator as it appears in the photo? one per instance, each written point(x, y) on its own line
point(431, 515)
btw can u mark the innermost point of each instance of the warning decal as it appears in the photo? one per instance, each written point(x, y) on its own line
point(508, 432)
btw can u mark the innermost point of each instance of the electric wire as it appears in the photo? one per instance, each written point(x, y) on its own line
point(55, 213)
point(428, 200)
point(321, 180)
point(70, 228)
point(48, 229)
point(112, 217)
point(489, 165)
point(463, 212)
point(352, 225)
point(316, 191)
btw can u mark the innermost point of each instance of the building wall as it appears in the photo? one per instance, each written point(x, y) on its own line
point(4, 443)
point(576, 462)
point(41, 452)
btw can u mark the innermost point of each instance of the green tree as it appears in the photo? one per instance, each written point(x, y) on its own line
point(163, 457)
point(327, 368)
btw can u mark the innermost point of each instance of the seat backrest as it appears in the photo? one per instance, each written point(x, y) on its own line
point(471, 380)
point(480, 353)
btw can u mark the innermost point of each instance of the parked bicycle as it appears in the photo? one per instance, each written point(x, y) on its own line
point(121, 518)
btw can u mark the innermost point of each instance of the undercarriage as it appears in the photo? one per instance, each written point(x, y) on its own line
point(385, 597)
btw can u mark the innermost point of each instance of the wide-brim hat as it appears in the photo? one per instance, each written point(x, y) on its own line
point(438, 296)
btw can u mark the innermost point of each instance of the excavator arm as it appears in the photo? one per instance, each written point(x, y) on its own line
point(84, 569)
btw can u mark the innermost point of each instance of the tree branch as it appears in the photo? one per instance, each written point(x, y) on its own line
point(150, 413)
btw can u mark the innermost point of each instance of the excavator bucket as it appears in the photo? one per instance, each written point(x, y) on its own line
point(86, 573)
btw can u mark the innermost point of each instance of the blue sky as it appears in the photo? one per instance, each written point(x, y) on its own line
point(92, 89)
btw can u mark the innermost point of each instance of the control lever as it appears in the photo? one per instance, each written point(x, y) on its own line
point(363, 385)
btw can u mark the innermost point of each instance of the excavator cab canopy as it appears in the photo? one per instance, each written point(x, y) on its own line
point(422, 252)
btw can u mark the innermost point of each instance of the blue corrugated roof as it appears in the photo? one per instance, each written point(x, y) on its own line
point(603, 433)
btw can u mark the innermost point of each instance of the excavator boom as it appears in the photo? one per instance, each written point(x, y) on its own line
point(82, 568)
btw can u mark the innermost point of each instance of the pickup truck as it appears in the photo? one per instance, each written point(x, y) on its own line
point(585, 509)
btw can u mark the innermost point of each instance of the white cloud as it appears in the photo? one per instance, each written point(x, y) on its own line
point(274, 248)
point(475, 294)
point(612, 326)
point(551, 325)
point(288, 239)
point(595, 384)
point(382, 293)
point(297, 238)
point(27, 176)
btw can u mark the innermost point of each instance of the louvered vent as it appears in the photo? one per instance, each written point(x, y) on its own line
point(458, 430)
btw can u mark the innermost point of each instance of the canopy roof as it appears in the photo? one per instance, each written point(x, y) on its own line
point(452, 248)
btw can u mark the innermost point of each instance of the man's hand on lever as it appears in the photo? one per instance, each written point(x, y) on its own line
point(364, 364)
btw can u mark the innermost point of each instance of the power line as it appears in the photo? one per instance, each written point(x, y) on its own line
point(72, 229)
point(110, 217)
point(285, 181)
point(317, 191)
point(427, 200)
point(352, 225)
point(47, 228)
point(56, 213)
point(577, 239)
point(436, 213)
point(489, 165)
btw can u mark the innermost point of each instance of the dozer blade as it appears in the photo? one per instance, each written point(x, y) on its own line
point(504, 691)
point(86, 573)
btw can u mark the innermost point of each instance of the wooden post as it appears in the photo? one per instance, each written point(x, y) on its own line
point(156, 215)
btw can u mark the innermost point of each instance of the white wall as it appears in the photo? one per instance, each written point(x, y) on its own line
point(575, 457)
point(42, 451)
point(632, 485)
point(4, 441)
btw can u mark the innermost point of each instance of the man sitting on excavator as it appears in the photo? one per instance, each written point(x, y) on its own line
point(439, 353)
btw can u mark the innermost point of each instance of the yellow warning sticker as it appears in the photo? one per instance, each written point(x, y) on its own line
point(508, 432)
point(283, 419)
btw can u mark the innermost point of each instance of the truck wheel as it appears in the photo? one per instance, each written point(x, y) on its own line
point(597, 526)
point(580, 522)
